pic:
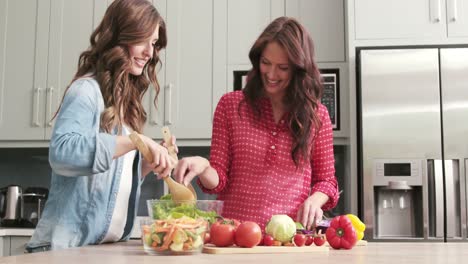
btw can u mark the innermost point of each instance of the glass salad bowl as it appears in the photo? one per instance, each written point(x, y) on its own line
point(178, 228)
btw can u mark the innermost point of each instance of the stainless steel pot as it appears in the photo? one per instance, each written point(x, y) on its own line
point(10, 203)
point(33, 200)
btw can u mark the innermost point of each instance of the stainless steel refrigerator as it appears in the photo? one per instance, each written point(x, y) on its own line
point(413, 142)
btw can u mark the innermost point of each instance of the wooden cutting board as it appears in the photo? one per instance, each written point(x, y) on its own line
point(211, 249)
point(361, 243)
point(358, 244)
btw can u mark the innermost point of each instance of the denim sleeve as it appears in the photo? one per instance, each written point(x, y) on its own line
point(77, 147)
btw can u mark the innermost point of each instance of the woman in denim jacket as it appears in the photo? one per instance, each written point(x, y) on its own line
point(95, 170)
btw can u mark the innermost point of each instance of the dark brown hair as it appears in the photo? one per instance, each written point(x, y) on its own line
point(126, 22)
point(304, 90)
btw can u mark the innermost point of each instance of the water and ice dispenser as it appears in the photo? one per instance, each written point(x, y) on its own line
point(398, 206)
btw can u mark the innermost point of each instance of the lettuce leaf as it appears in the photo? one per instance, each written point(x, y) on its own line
point(175, 210)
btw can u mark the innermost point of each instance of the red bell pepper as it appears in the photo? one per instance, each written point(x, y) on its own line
point(341, 233)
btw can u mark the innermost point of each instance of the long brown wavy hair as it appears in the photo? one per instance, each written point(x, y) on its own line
point(126, 22)
point(305, 88)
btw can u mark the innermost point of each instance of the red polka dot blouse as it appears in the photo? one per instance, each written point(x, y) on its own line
point(252, 156)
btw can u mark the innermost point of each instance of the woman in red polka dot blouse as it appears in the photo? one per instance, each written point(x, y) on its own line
point(272, 142)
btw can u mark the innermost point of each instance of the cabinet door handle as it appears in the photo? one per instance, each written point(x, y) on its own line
point(153, 115)
point(50, 91)
point(435, 10)
point(167, 104)
point(37, 99)
point(452, 10)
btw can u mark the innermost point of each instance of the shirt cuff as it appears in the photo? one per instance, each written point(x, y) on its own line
point(331, 191)
point(206, 190)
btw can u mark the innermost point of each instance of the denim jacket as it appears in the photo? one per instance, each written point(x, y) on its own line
point(85, 178)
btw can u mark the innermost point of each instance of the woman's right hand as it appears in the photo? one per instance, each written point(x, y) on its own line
point(162, 163)
point(189, 167)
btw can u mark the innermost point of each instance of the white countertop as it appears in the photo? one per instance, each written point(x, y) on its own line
point(16, 231)
point(4, 231)
point(132, 252)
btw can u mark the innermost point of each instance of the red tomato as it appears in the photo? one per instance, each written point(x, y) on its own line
point(207, 238)
point(248, 234)
point(222, 234)
point(319, 241)
point(233, 222)
point(309, 240)
point(236, 222)
point(268, 240)
point(299, 240)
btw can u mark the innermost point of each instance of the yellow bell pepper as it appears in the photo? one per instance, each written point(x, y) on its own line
point(358, 225)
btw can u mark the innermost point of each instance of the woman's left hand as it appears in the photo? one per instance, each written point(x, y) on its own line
point(310, 212)
point(190, 167)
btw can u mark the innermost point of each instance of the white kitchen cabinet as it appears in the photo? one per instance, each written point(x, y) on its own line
point(398, 19)
point(237, 24)
point(40, 42)
point(155, 116)
point(13, 245)
point(457, 18)
point(71, 25)
point(246, 19)
point(3, 246)
point(206, 39)
point(24, 30)
point(18, 244)
point(324, 19)
point(186, 96)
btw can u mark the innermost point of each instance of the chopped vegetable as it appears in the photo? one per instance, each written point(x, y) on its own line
point(177, 227)
point(183, 234)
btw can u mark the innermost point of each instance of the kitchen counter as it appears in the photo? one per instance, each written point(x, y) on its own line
point(16, 231)
point(132, 252)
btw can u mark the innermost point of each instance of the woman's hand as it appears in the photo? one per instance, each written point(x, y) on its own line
point(190, 167)
point(162, 163)
point(173, 145)
point(146, 167)
point(310, 212)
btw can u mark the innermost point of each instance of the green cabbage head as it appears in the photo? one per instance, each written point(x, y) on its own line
point(281, 228)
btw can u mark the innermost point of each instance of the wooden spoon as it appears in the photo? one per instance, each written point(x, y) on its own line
point(167, 136)
point(179, 191)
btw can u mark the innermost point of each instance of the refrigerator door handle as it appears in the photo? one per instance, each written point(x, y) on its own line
point(435, 199)
point(427, 199)
point(463, 200)
point(453, 196)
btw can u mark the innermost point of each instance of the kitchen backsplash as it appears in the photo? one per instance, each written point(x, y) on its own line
point(29, 167)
